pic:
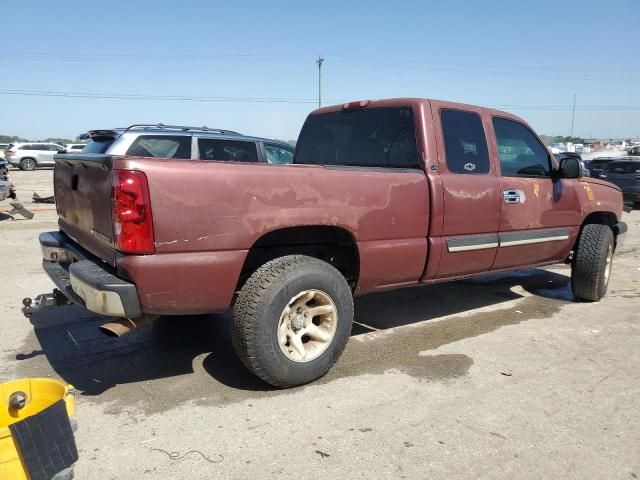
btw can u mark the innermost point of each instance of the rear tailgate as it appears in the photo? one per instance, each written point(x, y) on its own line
point(82, 188)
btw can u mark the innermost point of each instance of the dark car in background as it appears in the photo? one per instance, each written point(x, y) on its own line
point(626, 175)
point(597, 165)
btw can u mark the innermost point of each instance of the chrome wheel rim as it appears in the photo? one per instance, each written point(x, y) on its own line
point(307, 326)
point(28, 164)
point(607, 266)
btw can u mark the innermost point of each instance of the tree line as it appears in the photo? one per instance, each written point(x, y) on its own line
point(15, 139)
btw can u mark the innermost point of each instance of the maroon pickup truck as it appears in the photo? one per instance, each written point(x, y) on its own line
point(381, 195)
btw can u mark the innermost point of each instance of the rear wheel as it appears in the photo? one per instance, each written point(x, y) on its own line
point(292, 320)
point(592, 261)
point(28, 164)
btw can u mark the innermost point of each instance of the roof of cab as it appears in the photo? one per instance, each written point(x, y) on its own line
point(411, 102)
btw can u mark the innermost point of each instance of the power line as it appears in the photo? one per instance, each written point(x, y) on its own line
point(127, 96)
point(178, 98)
point(529, 71)
point(94, 56)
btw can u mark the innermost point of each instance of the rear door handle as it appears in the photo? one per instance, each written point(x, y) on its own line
point(511, 196)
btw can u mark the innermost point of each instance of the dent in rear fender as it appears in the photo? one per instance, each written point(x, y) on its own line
point(184, 283)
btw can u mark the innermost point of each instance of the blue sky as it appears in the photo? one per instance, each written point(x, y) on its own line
point(527, 57)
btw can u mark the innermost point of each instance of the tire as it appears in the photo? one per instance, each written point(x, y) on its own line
point(592, 259)
point(261, 325)
point(28, 164)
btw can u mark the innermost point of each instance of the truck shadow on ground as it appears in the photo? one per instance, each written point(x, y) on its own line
point(193, 355)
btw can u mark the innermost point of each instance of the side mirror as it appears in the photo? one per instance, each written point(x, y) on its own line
point(571, 168)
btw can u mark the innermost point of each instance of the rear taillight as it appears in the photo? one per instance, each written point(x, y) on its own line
point(9, 153)
point(132, 221)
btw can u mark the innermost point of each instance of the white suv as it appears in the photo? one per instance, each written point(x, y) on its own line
point(74, 147)
point(29, 156)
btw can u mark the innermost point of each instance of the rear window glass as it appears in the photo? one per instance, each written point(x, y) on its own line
point(623, 167)
point(465, 142)
point(227, 150)
point(161, 146)
point(374, 137)
point(98, 145)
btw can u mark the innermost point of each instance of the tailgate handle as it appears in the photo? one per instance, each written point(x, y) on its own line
point(74, 182)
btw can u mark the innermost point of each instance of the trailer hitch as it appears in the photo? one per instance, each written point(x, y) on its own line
point(55, 298)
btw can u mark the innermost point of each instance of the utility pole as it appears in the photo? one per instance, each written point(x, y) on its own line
point(573, 114)
point(319, 61)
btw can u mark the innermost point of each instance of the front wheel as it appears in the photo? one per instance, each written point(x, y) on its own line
point(592, 261)
point(292, 320)
point(28, 164)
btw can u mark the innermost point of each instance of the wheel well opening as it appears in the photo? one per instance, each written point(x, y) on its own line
point(602, 218)
point(333, 245)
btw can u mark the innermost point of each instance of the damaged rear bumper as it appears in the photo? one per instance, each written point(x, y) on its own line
point(85, 280)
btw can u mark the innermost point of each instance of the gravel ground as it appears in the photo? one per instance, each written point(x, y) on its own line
point(502, 377)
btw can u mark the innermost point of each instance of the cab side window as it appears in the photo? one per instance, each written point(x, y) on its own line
point(521, 153)
point(227, 150)
point(277, 154)
point(465, 142)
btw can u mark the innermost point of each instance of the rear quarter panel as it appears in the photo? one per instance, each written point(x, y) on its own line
point(208, 213)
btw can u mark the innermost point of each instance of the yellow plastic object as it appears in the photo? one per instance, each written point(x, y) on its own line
point(40, 393)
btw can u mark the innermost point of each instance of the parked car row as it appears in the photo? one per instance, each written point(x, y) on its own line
point(621, 171)
point(157, 141)
point(625, 173)
point(29, 156)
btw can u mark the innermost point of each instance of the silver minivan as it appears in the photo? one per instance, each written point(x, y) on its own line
point(29, 156)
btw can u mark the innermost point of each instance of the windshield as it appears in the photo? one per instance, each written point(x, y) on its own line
point(373, 137)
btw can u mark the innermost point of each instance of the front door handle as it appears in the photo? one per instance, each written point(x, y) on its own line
point(511, 196)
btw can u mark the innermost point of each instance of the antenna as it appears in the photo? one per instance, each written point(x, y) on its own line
point(319, 61)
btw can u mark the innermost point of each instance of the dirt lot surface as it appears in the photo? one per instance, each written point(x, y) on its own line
point(502, 377)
